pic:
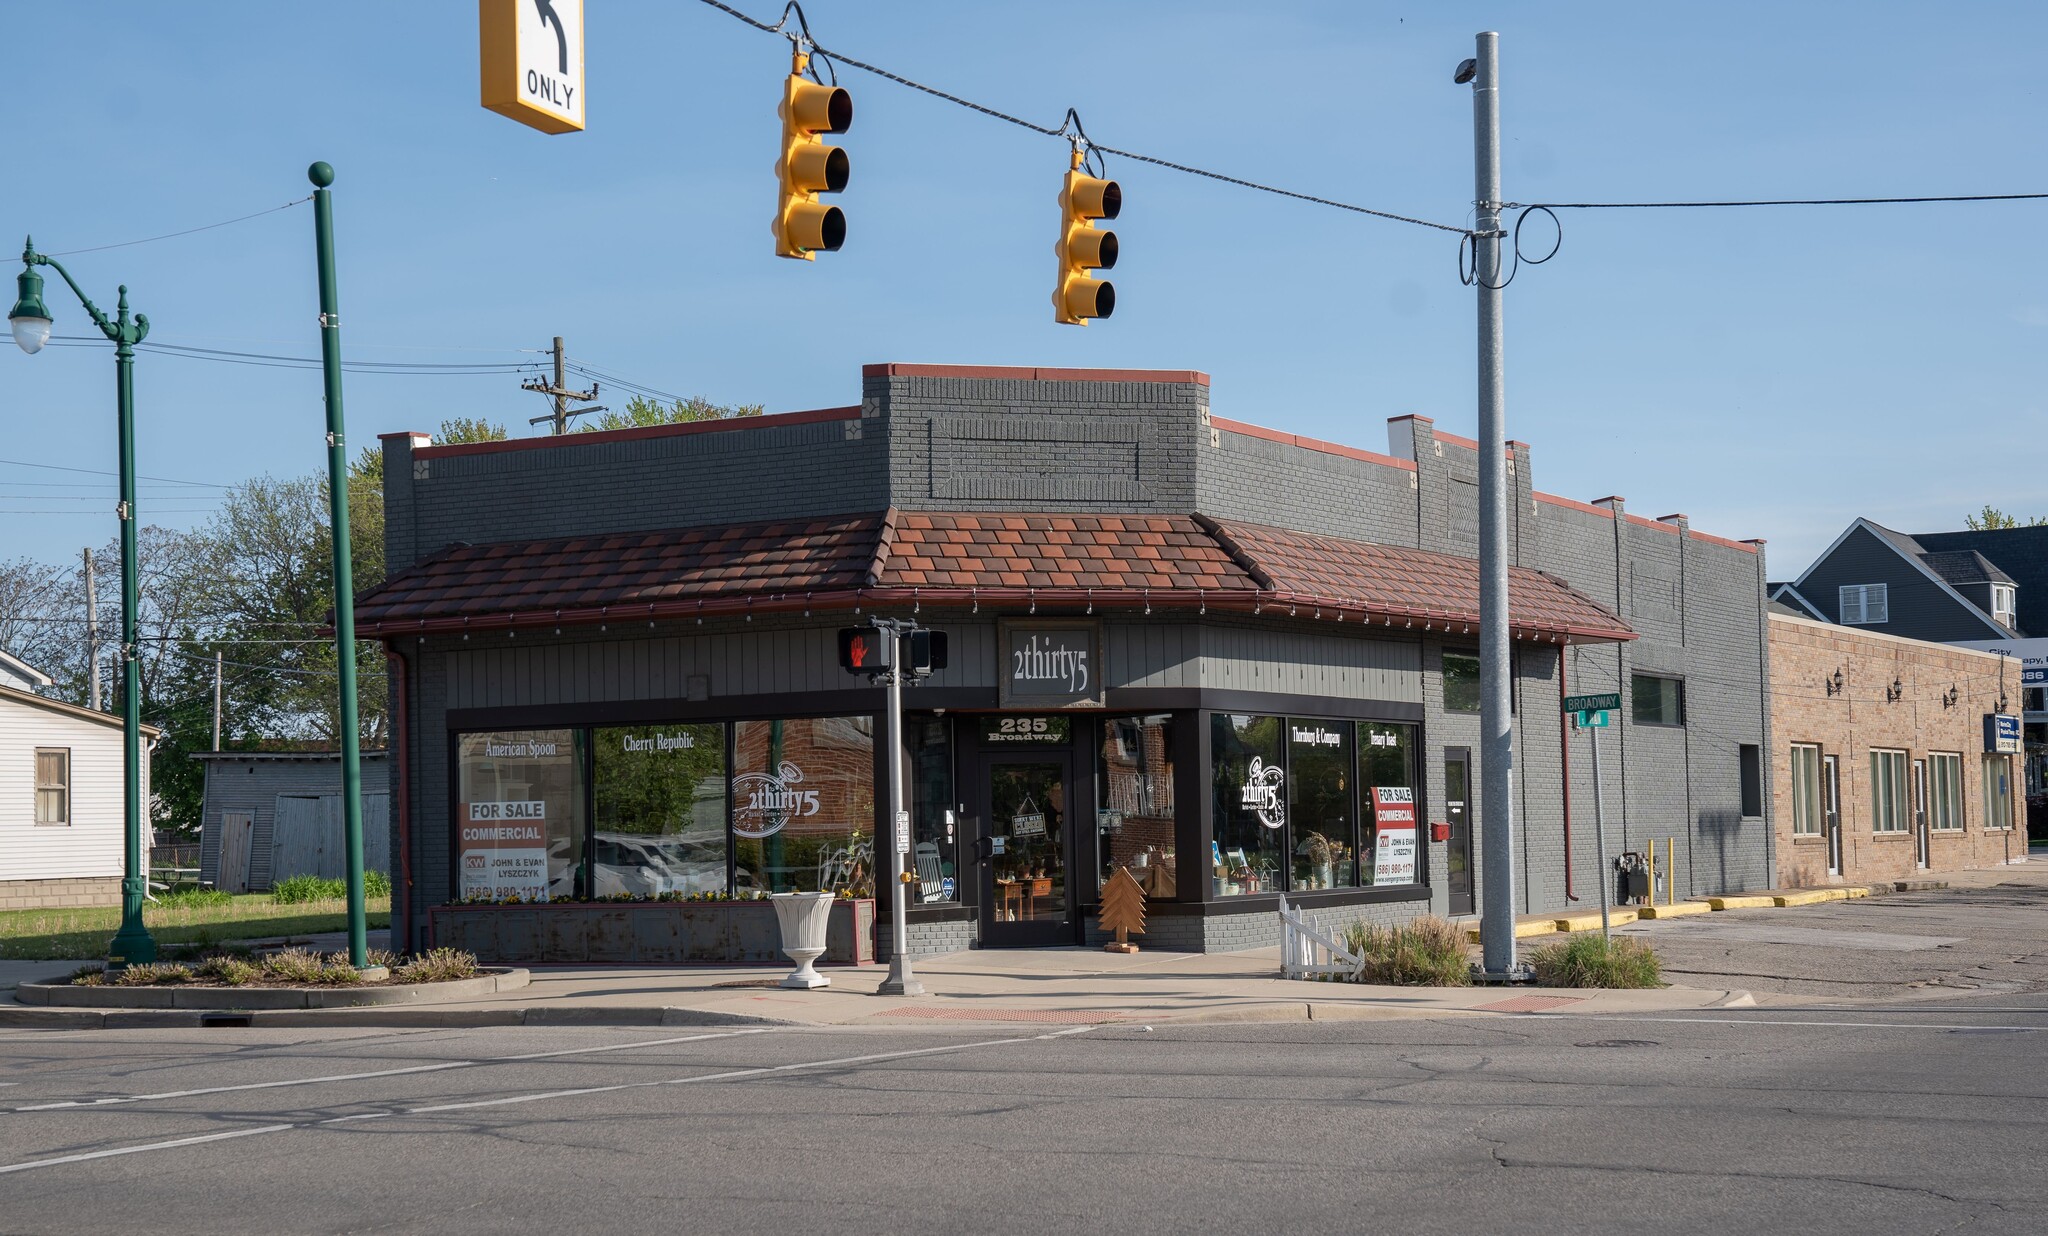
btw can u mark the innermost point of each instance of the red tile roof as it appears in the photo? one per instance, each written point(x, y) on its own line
point(947, 557)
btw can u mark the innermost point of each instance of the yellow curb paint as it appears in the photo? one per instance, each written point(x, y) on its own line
point(1675, 910)
point(1742, 902)
point(1858, 890)
point(1810, 897)
point(1591, 922)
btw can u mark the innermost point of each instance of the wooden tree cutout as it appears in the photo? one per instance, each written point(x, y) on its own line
point(1123, 911)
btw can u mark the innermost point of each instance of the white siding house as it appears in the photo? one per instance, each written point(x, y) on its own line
point(61, 803)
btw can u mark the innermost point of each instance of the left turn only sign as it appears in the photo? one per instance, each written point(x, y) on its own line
point(532, 61)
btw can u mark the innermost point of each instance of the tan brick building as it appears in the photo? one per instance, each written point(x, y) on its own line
point(1881, 771)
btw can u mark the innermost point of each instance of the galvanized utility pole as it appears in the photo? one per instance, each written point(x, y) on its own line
point(1496, 721)
point(216, 699)
point(350, 736)
point(92, 632)
point(559, 392)
point(901, 982)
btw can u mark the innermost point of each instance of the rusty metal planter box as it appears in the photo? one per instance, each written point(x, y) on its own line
point(645, 933)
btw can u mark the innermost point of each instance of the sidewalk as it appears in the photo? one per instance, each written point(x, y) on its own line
point(1040, 986)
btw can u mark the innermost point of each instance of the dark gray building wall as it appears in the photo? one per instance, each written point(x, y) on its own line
point(1916, 606)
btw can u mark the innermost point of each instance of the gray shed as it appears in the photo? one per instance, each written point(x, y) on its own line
point(273, 814)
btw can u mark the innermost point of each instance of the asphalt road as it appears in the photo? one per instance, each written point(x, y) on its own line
point(1931, 1118)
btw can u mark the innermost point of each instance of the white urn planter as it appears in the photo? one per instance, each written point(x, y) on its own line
point(803, 917)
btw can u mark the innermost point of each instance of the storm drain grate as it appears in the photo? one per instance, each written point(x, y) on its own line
point(1061, 1016)
point(1531, 1004)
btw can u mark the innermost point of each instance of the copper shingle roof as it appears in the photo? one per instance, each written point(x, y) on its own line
point(951, 557)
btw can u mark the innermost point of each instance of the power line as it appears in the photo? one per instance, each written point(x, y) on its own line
point(271, 361)
point(1812, 201)
point(22, 463)
point(206, 227)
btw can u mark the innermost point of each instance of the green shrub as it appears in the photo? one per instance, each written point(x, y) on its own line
point(94, 975)
point(385, 957)
point(376, 884)
point(1590, 961)
point(1425, 952)
point(294, 965)
point(440, 965)
point(196, 898)
point(228, 970)
point(299, 889)
point(153, 973)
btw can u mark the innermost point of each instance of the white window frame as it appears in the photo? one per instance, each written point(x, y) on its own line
point(1945, 791)
point(1807, 806)
point(2004, 603)
point(59, 789)
point(1856, 603)
point(1890, 793)
point(1997, 806)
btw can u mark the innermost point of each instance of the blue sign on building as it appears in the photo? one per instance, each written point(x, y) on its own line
point(2001, 733)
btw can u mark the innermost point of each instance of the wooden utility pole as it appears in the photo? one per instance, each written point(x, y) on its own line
point(92, 631)
point(558, 391)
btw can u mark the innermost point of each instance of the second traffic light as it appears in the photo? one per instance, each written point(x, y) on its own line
point(1083, 247)
point(808, 167)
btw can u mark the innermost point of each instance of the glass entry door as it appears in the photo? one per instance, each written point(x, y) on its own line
point(1026, 897)
point(1457, 809)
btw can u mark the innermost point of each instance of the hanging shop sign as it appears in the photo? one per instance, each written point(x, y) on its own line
point(1026, 731)
point(1393, 812)
point(504, 851)
point(2001, 733)
point(763, 802)
point(1261, 792)
point(1053, 664)
point(1029, 820)
point(530, 59)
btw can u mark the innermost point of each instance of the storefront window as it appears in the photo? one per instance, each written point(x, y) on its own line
point(1248, 781)
point(935, 843)
point(1319, 804)
point(659, 793)
point(803, 805)
point(1461, 682)
point(519, 817)
point(1386, 777)
point(1134, 819)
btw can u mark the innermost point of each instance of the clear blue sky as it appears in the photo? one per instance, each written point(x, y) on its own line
point(1772, 373)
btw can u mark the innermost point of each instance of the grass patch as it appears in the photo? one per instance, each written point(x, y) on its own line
point(1591, 961)
point(299, 889)
point(197, 898)
point(439, 965)
point(83, 934)
point(1424, 952)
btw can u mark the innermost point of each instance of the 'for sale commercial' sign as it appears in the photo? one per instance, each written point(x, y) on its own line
point(1393, 812)
point(503, 851)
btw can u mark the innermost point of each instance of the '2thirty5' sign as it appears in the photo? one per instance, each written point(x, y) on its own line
point(1050, 663)
point(763, 802)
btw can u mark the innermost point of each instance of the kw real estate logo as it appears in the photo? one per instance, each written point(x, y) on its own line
point(763, 802)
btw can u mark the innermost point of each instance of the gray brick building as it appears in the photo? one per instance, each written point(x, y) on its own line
point(615, 674)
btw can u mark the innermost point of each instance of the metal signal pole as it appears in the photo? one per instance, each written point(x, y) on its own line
point(92, 631)
point(1496, 721)
point(901, 982)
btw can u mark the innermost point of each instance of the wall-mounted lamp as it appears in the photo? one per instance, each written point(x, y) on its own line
point(1894, 693)
point(1834, 685)
point(1950, 696)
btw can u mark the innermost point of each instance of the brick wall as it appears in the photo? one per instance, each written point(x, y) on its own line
point(60, 894)
point(1804, 658)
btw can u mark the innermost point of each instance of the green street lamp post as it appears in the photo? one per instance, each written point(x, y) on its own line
point(322, 177)
point(30, 318)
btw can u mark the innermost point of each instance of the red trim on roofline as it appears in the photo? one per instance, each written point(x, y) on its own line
point(1455, 440)
point(1235, 600)
point(1034, 373)
point(1310, 444)
point(1572, 503)
point(1673, 529)
point(726, 425)
point(1747, 547)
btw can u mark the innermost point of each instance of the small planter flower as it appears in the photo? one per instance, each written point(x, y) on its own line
point(803, 917)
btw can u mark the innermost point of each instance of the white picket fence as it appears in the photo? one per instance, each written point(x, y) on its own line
point(1306, 952)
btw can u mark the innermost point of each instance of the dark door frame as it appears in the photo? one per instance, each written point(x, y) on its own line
point(997, 934)
point(1831, 808)
point(1458, 900)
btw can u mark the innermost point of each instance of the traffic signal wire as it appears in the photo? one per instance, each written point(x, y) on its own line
point(1812, 201)
point(205, 227)
point(1068, 128)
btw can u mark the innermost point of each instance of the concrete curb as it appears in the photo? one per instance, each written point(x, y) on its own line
point(249, 999)
point(407, 1017)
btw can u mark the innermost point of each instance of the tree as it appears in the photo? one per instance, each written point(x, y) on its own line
point(1991, 519)
point(641, 413)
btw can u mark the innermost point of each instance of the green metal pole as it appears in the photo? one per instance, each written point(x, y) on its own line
point(132, 944)
point(344, 575)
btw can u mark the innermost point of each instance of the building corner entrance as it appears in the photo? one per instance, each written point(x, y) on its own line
point(1022, 795)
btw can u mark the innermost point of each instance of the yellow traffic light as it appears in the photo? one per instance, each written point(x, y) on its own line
point(1083, 247)
point(808, 166)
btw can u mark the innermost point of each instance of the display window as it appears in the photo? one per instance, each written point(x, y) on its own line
point(803, 805)
point(1389, 804)
point(935, 839)
point(519, 815)
point(1248, 782)
point(658, 800)
point(1321, 809)
point(1134, 816)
